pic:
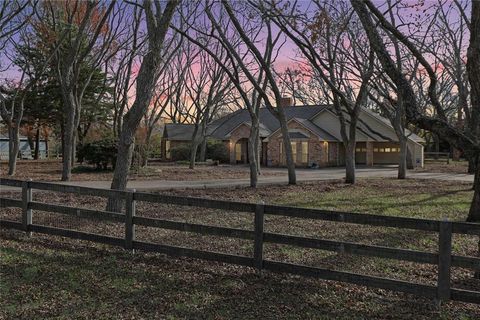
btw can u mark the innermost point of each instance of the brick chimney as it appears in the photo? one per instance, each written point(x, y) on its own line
point(286, 102)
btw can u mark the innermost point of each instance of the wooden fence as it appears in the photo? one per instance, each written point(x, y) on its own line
point(444, 259)
point(436, 156)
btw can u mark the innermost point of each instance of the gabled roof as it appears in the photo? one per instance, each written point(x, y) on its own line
point(410, 135)
point(178, 131)
point(297, 135)
point(313, 128)
point(220, 128)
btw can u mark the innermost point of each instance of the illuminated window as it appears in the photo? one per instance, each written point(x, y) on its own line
point(167, 148)
point(238, 152)
point(382, 150)
point(294, 151)
point(375, 149)
point(358, 149)
point(364, 149)
point(387, 150)
point(304, 152)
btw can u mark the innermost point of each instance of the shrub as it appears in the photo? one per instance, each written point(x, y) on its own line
point(101, 153)
point(216, 150)
point(180, 152)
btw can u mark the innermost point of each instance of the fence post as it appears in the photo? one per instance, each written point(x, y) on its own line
point(258, 245)
point(444, 261)
point(129, 214)
point(26, 212)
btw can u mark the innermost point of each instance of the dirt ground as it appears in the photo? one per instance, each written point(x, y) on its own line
point(97, 281)
point(443, 167)
point(52, 171)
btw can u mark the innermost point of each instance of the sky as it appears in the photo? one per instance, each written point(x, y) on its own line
point(288, 53)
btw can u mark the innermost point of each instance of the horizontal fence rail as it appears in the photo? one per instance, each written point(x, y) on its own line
point(444, 258)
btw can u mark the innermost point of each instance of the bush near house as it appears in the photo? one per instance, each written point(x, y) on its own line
point(101, 153)
point(216, 150)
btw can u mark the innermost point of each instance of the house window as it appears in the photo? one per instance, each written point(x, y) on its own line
point(294, 151)
point(167, 149)
point(375, 149)
point(387, 150)
point(238, 152)
point(304, 152)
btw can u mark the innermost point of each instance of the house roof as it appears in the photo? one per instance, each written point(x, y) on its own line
point(178, 131)
point(297, 135)
point(220, 128)
point(409, 134)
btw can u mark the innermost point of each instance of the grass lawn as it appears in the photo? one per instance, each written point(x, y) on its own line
point(51, 277)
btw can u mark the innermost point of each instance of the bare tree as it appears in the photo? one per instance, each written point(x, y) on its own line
point(335, 49)
point(12, 96)
point(264, 64)
point(208, 90)
point(239, 65)
point(449, 45)
point(13, 19)
point(123, 70)
point(467, 140)
point(157, 20)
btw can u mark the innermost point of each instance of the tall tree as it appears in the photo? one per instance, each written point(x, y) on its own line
point(337, 53)
point(90, 31)
point(157, 21)
point(242, 23)
point(241, 65)
point(467, 140)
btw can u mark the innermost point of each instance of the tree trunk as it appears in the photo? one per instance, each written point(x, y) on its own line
point(145, 86)
point(62, 137)
point(436, 139)
point(253, 153)
point(292, 178)
point(122, 167)
point(146, 148)
point(402, 161)
point(350, 162)
point(203, 149)
point(68, 136)
point(30, 142)
point(259, 150)
point(474, 212)
point(471, 165)
point(193, 153)
point(194, 147)
point(13, 148)
point(46, 136)
point(37, 144)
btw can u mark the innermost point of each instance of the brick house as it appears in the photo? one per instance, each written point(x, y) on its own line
point(314, 133)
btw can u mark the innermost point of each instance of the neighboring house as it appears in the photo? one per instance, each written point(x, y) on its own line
point(314, 133)
point(25, 151)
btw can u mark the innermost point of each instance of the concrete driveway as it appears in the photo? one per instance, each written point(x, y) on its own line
point(303, 175)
